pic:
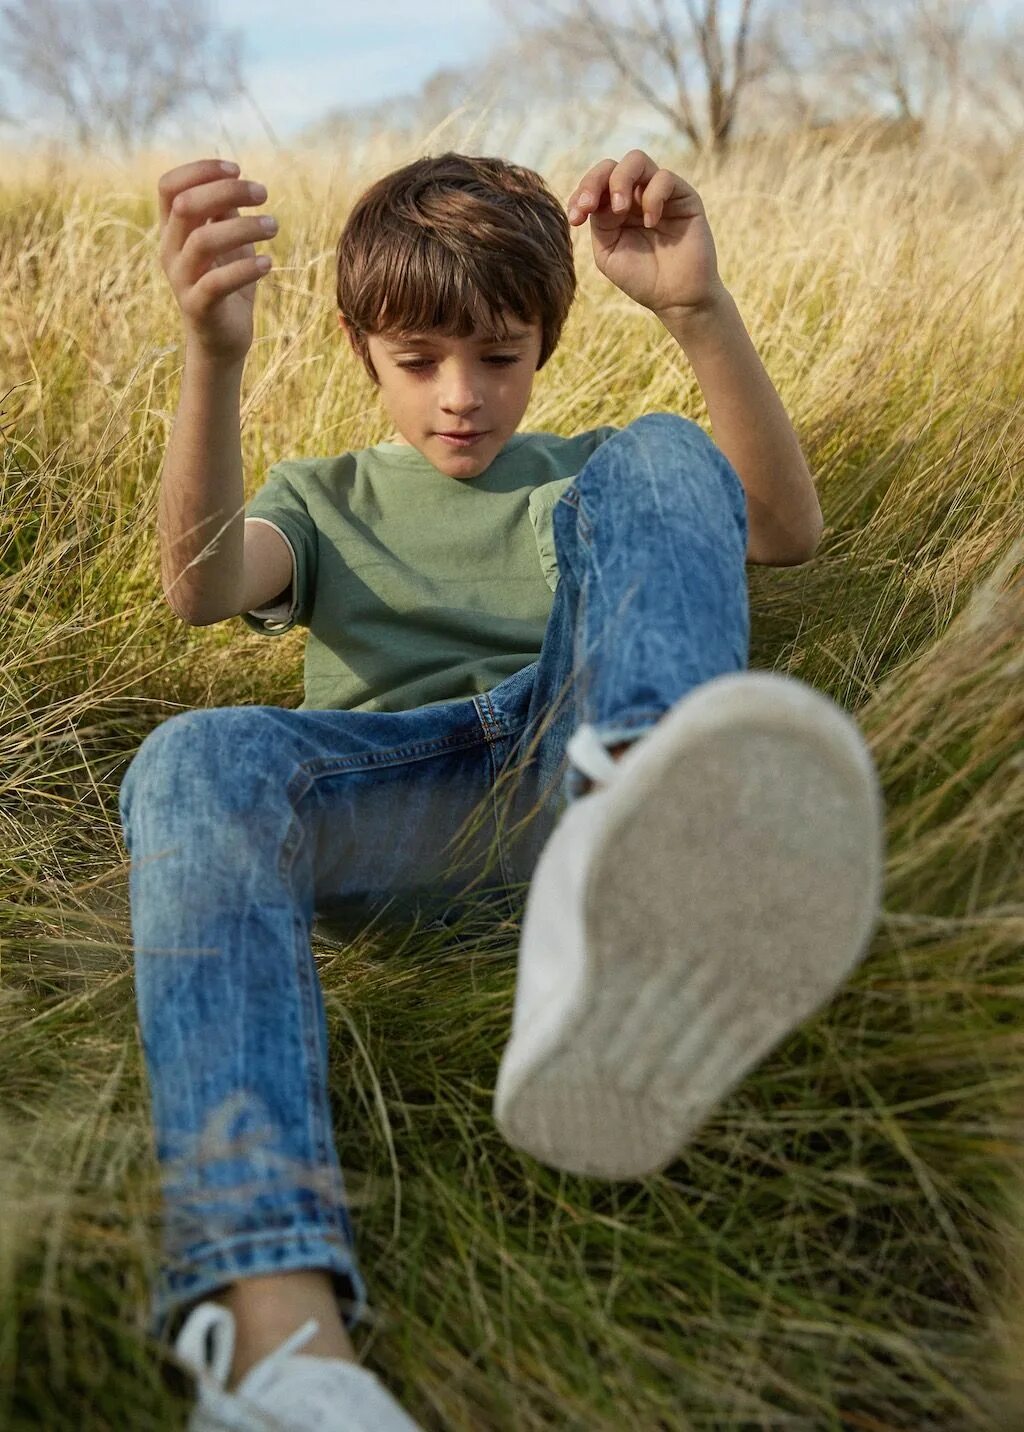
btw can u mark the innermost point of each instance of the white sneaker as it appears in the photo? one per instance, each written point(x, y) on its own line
point(286, 1391)
point(684, 917)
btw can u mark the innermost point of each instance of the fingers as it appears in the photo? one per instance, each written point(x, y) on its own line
point(218, 243)
point(194, 193)
point(588, 193)
point(636, 170)
point(172, 183)
point(654, 198)
point(636, 178)
point(204, 295)
point(185, 176)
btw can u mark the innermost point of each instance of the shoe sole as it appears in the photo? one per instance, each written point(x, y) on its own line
point(733, 886)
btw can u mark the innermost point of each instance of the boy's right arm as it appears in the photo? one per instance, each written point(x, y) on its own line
point(208, 254)
point(201, 495)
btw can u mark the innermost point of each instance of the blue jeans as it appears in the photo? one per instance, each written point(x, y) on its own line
point(245, 824)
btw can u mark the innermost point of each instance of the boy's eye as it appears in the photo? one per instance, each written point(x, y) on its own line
point(504, 359)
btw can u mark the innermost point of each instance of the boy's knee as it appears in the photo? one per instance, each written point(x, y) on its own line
point(664, 424)
point(681, 434)
point(678, 435)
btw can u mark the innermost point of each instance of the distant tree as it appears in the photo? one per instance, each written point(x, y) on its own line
point(650, 46)
point(115, 70)
point(903, 57)
point(995, 78)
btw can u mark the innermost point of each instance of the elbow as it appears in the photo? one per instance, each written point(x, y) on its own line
point(175, 608)
point(184, 616)
point(817, 541)
point(806, 555)
point(798, 556)
point(810, 547)
point(812, 527)
point(775, 543)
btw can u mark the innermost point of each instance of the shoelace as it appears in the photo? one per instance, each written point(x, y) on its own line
point(213, 1363)
point(588, 753)
point(266, 1371)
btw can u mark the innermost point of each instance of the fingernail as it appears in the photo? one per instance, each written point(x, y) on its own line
point(228, 167)
point(619, 202)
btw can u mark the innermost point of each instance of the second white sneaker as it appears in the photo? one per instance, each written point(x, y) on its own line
point(287, 1391)
point(685, 917)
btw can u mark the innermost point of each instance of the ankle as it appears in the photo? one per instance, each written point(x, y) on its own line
point(268, 1309)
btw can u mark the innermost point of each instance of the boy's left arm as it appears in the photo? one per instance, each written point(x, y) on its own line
point(751, 426)
point(652, 239)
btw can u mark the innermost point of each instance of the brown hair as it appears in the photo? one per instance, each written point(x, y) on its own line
point(453, 243)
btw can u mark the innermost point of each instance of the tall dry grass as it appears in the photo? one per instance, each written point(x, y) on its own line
point(842, 1246)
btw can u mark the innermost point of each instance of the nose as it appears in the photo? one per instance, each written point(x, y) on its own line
point(460, 392)
point(460, 402)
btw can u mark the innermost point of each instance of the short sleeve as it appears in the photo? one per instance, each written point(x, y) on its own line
point(542, 500)
point(280, 501)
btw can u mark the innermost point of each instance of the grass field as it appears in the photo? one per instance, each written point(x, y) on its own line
point(841, 1248)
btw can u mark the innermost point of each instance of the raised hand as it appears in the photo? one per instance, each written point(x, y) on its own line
point(208, 253)
point(657, 247)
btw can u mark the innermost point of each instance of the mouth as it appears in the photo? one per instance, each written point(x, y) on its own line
point(461, 439)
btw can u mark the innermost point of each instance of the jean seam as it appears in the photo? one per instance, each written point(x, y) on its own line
point(394, 756)
point(504, 863)
point(320, 1115)
point(320, 1128)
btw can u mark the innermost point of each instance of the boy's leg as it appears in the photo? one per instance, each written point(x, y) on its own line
point(682, 921)
point(624, 641)
point(242, 823)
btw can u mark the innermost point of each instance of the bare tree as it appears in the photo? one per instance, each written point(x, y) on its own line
point(689, 50)
point(117, 70)
point(995, 77)
point(902, 55)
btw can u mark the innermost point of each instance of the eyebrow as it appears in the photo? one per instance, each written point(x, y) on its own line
point(515, 335)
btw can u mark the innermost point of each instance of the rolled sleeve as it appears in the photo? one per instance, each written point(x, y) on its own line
point(280, 503)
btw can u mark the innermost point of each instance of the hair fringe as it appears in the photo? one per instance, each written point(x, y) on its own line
point(455, 243)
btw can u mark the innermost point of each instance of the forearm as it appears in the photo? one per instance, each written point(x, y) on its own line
point(201, 505)
point(752, 428)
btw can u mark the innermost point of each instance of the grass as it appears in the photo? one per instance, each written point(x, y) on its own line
point(841, 1247)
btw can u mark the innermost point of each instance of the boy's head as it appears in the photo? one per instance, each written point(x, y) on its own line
point(455, 276)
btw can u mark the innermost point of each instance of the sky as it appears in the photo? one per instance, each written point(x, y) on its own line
point(304, 57)
point(309, 56)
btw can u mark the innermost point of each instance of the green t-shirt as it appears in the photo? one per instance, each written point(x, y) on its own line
point(417, 588)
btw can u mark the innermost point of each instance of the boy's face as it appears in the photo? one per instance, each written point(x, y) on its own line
point(431, 384)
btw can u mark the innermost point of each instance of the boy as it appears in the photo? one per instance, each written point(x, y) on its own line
point(702, 843)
